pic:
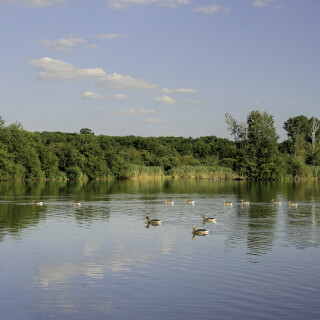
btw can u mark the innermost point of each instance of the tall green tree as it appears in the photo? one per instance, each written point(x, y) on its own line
point(263, 144)
point(298, 131)
point(257, 145)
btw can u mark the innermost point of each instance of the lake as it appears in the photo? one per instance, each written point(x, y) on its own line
point(101, 260)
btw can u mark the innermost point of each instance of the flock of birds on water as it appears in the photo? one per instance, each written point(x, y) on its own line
point(204, 232)
point(195, 232)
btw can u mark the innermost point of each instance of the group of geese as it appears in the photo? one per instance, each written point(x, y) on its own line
point(198, 232)
point(40, 203)
point(204, 232)
point(172, 201)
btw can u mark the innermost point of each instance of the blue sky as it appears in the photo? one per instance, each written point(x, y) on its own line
point(157, 67)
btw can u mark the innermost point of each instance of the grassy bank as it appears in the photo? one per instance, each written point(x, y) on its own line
point(203, 172)
point(133, 171)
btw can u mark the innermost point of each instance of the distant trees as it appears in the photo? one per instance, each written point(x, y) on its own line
point(260, 156)
point(59, 155)
point(86, 131)
point(254, 154)
point(303, 145)
point(19, 157)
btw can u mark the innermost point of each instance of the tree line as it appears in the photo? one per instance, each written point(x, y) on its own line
point(254, 154)
point(260, 156)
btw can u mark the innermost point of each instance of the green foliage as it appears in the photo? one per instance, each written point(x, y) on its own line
point(255, 154)
point(257, 142)
point(302, 145)
point(138, 171)
point(227, 162)
point(74, 173)
point(86, 131)
point(208, 172)
point(299, 169)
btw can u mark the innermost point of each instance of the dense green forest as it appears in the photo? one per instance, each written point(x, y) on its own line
point(254, 154)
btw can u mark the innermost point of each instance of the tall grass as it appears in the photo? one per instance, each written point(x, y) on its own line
point(137, 171)
point(204, 172)
point(195, 172)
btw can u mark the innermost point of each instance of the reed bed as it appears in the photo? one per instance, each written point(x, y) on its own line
point(141, 172)
point(194, 172)
point(204, 172)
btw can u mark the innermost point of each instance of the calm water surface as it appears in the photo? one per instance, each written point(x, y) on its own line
point(100, 261)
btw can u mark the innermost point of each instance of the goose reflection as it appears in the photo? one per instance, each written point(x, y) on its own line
point(212, 220)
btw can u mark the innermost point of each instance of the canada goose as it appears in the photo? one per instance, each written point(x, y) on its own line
point(213, 220)
point(292, 204)
point(37, 203)
point(75, 203)
point(199, 232)
point(154, 222)
point(226, 203)
point(275, 202)
point(169, 202)
point(244, 202)
point(190, 201)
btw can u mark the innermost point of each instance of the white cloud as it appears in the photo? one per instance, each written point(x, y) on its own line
point(291, 102)
point(52, 69)
point(179, 90)
point(173, 3)
point(98, 96)
point(92, 95)
point(120, 96)
point(155, 120)
point(165, 100)
point(110, 36)
point(210, 9)
point(118, 81)
point(91, 46)
point(127, 113)
point(262, 3)
point(192, 101)
point(63, 44)
point(256, 102)
point(120, 4)
point(115, 4)
point(35, 3)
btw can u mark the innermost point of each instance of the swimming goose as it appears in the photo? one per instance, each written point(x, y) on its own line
point(292, 204)
point(190, 201)
point(37, 203)
point(244, 202)
point(226, 203)
point(213, 220)
point(199, 232)
point(154, 222)
point(75, 203)
point(275, 202)
point(169, 202)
